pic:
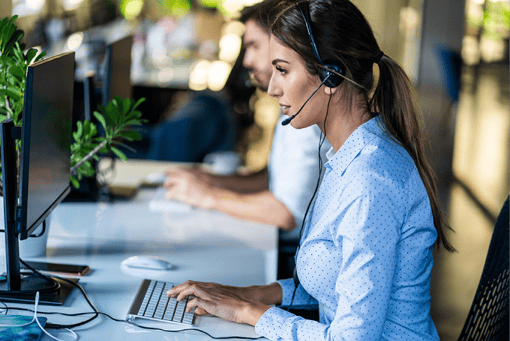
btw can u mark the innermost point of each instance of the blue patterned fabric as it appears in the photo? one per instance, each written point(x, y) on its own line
point(30, 332)
point(366, 251)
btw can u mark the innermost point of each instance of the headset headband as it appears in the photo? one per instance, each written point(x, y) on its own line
point(305, 11)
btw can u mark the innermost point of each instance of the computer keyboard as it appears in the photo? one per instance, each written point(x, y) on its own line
point(151, 302)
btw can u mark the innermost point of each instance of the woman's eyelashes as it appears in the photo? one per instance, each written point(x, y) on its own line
point(280, 69)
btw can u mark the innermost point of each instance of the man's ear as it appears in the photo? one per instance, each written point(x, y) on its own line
point(329, 91)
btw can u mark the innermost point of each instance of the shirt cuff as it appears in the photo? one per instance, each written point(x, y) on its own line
point(271, 323)
point(287, 290)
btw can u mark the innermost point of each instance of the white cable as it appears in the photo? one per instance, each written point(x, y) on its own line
point(75, 336)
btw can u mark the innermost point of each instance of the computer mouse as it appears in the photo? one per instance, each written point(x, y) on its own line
point(148, 262)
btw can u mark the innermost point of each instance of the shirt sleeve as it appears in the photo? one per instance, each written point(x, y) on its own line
point(365, 228)
point(300, 298)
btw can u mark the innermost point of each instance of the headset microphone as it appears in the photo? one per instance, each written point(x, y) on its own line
point(287, 120)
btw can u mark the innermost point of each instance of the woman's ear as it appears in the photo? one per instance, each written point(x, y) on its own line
point(329, 91)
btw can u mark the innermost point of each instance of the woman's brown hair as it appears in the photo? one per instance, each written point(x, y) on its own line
point(350, 39)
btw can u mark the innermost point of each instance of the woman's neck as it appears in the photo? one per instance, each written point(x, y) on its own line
point(341, 124)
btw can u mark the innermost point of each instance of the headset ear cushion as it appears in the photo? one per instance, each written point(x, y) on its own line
point(334, 80)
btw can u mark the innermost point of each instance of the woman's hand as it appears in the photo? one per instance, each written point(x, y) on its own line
point(230, 303)
point(187, 186)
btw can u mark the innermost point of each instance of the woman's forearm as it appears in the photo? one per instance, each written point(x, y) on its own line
point(268, 294)
point(264, 296)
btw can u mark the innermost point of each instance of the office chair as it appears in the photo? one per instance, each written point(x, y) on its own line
point(488, 317)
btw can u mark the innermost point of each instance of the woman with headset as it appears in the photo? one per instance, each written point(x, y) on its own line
point(365, 255)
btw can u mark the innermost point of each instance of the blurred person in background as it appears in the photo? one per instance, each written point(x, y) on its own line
point(279, 194)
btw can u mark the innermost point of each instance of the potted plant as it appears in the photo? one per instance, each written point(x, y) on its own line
point(116, 118)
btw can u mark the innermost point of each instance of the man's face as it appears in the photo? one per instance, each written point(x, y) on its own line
point(256, 57)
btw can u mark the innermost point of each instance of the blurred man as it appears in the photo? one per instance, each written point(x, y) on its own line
point(278, 195)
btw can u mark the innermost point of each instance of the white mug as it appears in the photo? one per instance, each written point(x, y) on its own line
point(223, 162)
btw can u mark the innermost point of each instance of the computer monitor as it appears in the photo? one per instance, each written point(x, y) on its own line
point(117, 76)
point(46, 136)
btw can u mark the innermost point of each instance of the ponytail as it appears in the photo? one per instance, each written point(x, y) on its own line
point(350, 39)
point(394, 98)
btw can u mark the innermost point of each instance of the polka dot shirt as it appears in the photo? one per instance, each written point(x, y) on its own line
point(366, 251)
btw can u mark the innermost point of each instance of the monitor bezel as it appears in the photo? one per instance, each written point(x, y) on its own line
point(22, 229)
point(114, 49)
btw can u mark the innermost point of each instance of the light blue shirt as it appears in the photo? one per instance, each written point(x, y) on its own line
point(366, 252)
point(293, 169)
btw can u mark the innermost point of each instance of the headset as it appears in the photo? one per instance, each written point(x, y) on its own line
point(332, 71)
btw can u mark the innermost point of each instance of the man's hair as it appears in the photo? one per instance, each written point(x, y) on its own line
point(262, 12)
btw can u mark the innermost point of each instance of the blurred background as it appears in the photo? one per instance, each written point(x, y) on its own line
point(170, 52)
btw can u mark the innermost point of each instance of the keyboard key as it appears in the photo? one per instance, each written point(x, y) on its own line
point(157, 305)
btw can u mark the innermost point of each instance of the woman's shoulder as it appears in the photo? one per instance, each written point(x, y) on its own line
point(385, 157)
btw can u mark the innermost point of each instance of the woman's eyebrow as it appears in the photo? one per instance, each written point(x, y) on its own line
point(279, 61)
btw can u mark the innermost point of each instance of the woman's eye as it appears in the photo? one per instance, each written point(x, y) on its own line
point(281, 70)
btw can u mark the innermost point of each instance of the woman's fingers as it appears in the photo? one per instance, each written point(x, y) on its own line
point(183, 290)
point(200, 305)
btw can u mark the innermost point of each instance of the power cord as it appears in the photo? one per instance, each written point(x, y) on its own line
point(97, 313)
point(6, 308)
point(35, 319)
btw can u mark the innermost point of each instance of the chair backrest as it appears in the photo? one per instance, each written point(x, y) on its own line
point(488, 317)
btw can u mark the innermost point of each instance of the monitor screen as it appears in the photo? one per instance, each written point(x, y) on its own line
point(45, 141)
point(118, 70)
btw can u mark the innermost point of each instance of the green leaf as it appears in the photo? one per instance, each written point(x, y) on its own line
point(132, 114)
point(30, 55)
point(86, 129)
point(11, 92)
point(134, 122)
point(131, 135)
point(117, 143)
point(109, 113)
point(117, 99)
point(93, 130)
point(119, 154)
point(7, 60)
point(75, 182)
point(100, 118)
point(140, 101)
point(39, 56)
point(126, 105)
point(79, 129)
point(17, 71)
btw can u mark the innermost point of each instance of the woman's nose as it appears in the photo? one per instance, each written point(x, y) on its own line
point(272, 89)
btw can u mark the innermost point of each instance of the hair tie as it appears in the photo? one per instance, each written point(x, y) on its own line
point(379, 57)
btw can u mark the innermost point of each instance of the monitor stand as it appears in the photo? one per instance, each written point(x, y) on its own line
point(33, 283)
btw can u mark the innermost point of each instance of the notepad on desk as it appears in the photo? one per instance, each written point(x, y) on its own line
point(160, 202)
point(30, 332)
point(128, 176)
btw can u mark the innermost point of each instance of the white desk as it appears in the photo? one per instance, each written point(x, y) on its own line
point(204, 245)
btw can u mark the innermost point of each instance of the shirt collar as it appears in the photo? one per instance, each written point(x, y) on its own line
point(354, 144)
